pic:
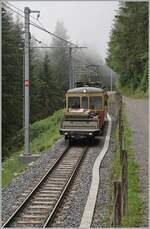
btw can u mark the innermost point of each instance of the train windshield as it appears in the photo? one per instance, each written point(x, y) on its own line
point(74, 102)
point(85, 102)
point(95, 102)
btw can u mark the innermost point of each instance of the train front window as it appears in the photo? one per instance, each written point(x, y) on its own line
point(95, 102)
point(85, 102)
point(74, 102)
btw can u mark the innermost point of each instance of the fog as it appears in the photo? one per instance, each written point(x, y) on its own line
point(87, 23)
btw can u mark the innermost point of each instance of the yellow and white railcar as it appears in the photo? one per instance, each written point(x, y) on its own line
point(85, 112)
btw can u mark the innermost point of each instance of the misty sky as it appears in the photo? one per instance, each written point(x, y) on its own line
point(87, 23)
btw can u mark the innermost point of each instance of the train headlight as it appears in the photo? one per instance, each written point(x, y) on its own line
point(84, 91)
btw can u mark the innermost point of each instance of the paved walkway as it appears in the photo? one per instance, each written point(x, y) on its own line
point(137, 111)
point(91, 200)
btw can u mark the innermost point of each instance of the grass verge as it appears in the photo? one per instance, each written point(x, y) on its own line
point(135, 204)
point(43, 134)
point(135, 94)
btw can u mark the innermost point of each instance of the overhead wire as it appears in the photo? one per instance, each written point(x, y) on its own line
point(12, 9)
point(42, 28)
point(24, 17)
point(23, 13)
point(10, 4)
point(91, 71)
point(79, 67)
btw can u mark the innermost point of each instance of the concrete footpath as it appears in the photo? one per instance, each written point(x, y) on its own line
point(137, 112)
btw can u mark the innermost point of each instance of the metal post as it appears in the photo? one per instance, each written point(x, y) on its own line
point(23, 83)
point(73, 75)
point(111, 80)
point(26, 84)
point(70, 67)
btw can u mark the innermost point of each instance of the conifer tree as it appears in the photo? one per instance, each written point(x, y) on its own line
point(128, 46)
point(12, 68)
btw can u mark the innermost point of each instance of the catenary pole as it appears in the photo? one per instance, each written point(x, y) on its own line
point(111, 80)
point(26, 83)
point(73, 74)
point(70, 68)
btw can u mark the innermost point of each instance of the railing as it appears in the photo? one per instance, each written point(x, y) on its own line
point(120, 197)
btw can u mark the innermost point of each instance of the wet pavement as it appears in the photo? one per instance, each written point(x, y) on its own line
point(137, 112)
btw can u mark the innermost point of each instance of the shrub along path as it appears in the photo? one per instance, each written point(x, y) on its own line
point(137, 112)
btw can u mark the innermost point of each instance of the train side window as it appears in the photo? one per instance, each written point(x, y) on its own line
point(85, 102)
point(74, 102)
point(95, 102)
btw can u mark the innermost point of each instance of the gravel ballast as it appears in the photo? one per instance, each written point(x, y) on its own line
point(101, 217)
point(14, 194)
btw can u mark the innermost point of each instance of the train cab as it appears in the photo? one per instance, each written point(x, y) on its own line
point(85, 112)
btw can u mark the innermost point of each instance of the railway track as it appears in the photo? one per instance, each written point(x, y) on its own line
point(40, 206)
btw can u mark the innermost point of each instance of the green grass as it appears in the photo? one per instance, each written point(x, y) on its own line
point(43, 134)
point(135, 94)
point(116, 164)
point(135, 204)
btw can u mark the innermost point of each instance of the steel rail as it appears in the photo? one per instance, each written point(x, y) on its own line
point(50, 217)
point(52, 213)
point(9, 221)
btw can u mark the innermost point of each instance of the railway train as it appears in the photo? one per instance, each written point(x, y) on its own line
point(85, 112)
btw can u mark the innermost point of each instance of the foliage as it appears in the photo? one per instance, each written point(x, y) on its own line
point(48, 80)
point(43, 134)
point(60, 59)
point(128, 46)
point(11, 77)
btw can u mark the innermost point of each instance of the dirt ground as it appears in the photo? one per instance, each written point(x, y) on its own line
point(137, 112)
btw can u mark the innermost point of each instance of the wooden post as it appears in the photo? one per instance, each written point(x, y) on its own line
point(119, 122)
point(120, 112)
point(125, 183)
point(121, 141)
point(118, 204)
point(123, 137)
point(121, 102)
point(120, 128)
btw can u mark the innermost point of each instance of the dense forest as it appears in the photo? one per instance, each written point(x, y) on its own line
point(128, 46)
point(47, 69)
point(49, 77)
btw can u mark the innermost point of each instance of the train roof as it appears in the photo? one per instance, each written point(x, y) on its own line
point(88, 90)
